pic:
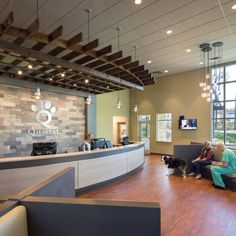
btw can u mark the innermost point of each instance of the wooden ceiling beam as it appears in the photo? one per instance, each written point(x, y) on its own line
point(123, 61)
point(31, 28)
point(113, 71)
point(137, 69)
point(27, 52)
point(84, 60)
point(141, 73)
point(50, 38)
point(55, 34)
point(6, 23)
point(57, 50)
point(70, 55)
point(131, 65)
point(115, 56)
point(75, 40)
point(81, 49)
point(105, 67)
point(89, 46)
point(99, 53)
point(104, 51)
point(95, 64)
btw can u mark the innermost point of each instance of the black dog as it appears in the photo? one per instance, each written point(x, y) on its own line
point(173, 164)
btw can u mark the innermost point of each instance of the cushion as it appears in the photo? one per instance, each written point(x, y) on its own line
point(14, 222)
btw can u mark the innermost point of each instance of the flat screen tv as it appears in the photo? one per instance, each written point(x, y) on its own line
point(190, 124)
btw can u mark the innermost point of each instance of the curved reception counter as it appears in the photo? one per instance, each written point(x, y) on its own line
point(92, 168)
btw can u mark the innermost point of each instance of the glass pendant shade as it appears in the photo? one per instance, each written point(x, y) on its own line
point(37, 93)
point(88, 100)
point(118, 103)
point(135, 108)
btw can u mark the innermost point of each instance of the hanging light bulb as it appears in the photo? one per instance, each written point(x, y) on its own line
point(118, 103)
point(37, 93)
point(88, 100)
point(204, 88)
point(208, 99)
point(135, 108)
point(203, 95)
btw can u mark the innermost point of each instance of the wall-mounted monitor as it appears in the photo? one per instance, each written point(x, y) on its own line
point(190, 124)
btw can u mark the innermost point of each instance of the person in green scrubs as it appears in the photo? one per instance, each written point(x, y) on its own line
point(225, 166)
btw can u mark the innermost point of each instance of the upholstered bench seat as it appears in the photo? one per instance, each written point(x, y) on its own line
point(229, 179)
point(14, 222)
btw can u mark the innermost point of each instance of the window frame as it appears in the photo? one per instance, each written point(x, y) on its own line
point(224, 102)
point(164, 129)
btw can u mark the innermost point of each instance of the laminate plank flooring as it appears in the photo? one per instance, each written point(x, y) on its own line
point(189, 207)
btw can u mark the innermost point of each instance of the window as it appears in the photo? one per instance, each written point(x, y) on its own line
point(224, 104)
point(164, 127)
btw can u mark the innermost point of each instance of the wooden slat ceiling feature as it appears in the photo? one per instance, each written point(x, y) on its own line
point(102, 60)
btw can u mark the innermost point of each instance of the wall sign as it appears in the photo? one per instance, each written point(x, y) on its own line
point(43, 116)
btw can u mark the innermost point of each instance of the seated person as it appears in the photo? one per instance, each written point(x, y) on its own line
point(86, 146)
point(225, 166)
point(205, 158)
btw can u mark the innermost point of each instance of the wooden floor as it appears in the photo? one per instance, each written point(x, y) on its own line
point(188, 206)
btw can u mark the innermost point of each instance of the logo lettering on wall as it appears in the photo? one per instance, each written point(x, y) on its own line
point(43, 116)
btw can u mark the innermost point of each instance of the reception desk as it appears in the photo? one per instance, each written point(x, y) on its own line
point(92, 168)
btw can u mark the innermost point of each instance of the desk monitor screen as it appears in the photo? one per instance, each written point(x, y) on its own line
point(44, 148)
point(97, 143)
point(190, 124)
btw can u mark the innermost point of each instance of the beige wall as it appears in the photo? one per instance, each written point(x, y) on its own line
point(106, 109)
point(180, 95)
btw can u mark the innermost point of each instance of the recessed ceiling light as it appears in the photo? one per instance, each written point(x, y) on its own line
point(30, 66)
point(234, 7)
point(188, 50)
point(201, 63)
point(166, 71)
point(19, 72)
point(138, 2)
point(86, 81)
point(149, 62)
point(169, 32)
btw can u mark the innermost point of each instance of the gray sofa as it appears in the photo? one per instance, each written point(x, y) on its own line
point(189, 152)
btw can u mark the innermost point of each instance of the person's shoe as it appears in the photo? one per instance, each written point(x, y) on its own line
point(219, 187)
point(191, 174)
point(199, 176)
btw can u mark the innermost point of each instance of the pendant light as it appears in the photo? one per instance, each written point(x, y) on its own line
point(205, 81)
point(135, 109)
point(209, 82)
point(118, 103)
point(37, 93)
point(88, 100)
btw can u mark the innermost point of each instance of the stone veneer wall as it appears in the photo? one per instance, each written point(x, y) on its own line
point(16, 118)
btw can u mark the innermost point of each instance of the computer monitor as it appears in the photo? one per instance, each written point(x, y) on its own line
point(44, 148)
point(125, 140)
point(98, 143)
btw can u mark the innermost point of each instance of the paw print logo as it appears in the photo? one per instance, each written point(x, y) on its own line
point(44, 112)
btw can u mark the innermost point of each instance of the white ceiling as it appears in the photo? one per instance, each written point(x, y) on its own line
point(192, 21)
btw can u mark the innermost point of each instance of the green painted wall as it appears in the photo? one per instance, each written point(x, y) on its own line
point(180, 95)
point(106, 109)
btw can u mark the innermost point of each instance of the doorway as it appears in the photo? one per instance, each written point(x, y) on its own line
point(144, 131)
